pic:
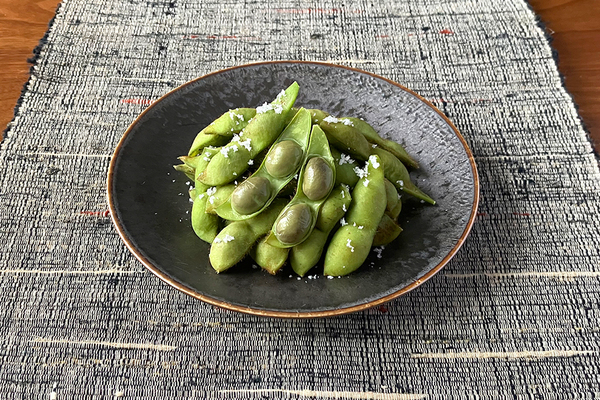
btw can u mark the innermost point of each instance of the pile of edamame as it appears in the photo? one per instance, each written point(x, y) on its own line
point(284, 184)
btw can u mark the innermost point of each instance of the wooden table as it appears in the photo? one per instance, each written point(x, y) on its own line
point(573, 24)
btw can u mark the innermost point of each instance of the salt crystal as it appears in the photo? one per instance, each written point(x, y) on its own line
point(212, 190)
point(349, 245)
point(361, 173)
point(374, 162)
point(228, 238)
point(331, 119)
point(373, 145)
point(346, 121)
point(343, 222)
point(250, 162)
point(344, 207)
point(360, 227)
point(264, 108)
point(345, 159)
point(366, 182)
point(330, 277)
point(400, 182)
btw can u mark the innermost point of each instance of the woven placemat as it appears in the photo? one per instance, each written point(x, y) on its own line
point(514, 315)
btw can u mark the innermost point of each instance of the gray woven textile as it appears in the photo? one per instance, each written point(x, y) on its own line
point(514, 315)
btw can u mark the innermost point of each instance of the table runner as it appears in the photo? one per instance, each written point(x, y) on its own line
point(513, 315)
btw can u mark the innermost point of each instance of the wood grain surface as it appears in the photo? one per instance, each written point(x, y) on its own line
point(573, 24)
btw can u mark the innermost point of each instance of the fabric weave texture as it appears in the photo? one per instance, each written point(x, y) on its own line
point(514, 315)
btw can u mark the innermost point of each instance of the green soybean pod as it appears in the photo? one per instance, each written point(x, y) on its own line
point(345, 168)
point(387, 231)
point(373, 137)
point(186, 169)
point(397, 173)
point(236, 239)
point(306, 255)
point(218, 196)
point(269, 258)
point(317, 115)
point(278, 168)
point(315, 182)
point(221, 130)
point(260, 133)
point(350, 245)
point(204, 225)
point(343, 135)
point(391, 195)
point(395, 212)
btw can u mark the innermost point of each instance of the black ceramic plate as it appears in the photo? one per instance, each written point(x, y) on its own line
point(149, 202)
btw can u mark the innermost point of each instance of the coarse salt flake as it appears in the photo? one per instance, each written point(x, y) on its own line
point(211, 190)
point(366, 182)
point(345, 159)
point(228, 238)
point(344, 207)
point(379, 250)
point(343, 222)
point(400, 182)
point(349, 245)
point(360, 172)
point(250, 162)
point(373, 145)
point(360, 227)
point(374, 162)
point(331, 119)
point(264, 108)
point(346, 121)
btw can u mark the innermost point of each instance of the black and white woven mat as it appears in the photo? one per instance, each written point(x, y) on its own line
point(515, 315)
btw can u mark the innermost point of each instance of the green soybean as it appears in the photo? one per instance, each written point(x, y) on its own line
point(397, 173)
point(306, 255)
point(373, 137)
point(284, 160)
point(387, 231)
point(236, 239)
point(186, 169)
point(317, 115)
point(342, 134)
point(259, 134)
point(302, 208)
point(351, 244)
point(269, 258)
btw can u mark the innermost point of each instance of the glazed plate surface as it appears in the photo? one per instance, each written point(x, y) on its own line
point(150, 206)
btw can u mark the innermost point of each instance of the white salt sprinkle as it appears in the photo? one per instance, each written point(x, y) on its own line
point(345, 159)
point(400, 182)
point(374, 162)
point(211, 190)
point(349, 245)
point(250, 162)
point(264, 108)
point(228, 238)
point(331, 119)
point(346, 121)
point(379, 250)
point(330, 277)
point(366, 182)
point(343, 222)
point(344, 207)
point(360, 172)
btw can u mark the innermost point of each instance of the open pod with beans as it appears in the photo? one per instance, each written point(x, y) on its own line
point(295, 186)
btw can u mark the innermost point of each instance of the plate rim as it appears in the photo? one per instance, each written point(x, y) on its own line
point(273, 313)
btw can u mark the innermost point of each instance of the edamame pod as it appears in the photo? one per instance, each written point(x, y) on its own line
point(373, 137)
point(204, 225)
point(237, 238)
point(343, 135)
point(351, 244)
point(317, 115)
point(269, 258)
point(218, 197)
point(307, 254)
point(186, 169)
point(397, 173)
point(221, 130)
point(278, 168)
point(344, 168)
point(233, 121)
point(387, 231)
point(260, 133)
point(298, 219)
point(394, 212)
point(391, 195)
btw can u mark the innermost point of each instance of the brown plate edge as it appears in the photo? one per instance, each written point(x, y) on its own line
point(289, 314)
